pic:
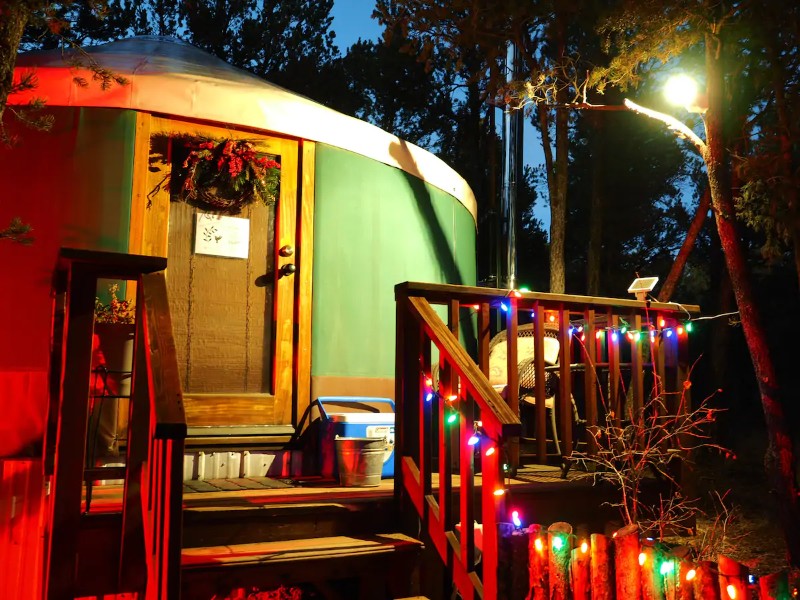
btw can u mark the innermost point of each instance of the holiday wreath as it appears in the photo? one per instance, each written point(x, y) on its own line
point(227, 175)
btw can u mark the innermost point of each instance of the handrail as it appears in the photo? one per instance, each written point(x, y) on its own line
point(149, 556)
point(418, 326)
point(154, 489)
point(442, 293)
point(421, 426)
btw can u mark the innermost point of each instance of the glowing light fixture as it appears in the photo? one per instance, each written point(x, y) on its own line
point(473, 439)
point(537, 543)
point(690, 574)
point(499, 492)
point(642, 558)
point(558, 542)
point(667, 566)
point(584, 547)
point(681, 90)
point(490, 451)
point(731, 589)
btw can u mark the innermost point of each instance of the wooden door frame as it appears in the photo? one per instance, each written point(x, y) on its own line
point(149, 235)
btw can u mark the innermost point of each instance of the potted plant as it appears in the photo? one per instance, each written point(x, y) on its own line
point(112, 363)
point(227, 175)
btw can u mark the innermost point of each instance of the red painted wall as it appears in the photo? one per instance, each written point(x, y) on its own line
point(73, 185)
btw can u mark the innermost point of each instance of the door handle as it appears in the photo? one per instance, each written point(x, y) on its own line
point(287, 269)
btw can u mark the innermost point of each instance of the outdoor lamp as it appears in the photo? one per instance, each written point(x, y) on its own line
point(681, 90)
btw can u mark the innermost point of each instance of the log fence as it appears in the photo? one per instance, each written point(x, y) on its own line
point(624, 566)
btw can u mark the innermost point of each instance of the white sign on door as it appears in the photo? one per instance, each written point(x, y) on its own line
point(219, 235)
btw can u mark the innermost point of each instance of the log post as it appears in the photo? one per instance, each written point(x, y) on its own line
point(581, 559)
point(538, 586)
point(513, 561)
point(669, 572)
point(706, 584)
point(651, 578)
point(732, 579)
point(686, 575)
point(626, 562)
point(774, 586)
point(600, 549)
point(559, 540)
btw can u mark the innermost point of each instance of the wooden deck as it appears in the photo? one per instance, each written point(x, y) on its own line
point(532, 479)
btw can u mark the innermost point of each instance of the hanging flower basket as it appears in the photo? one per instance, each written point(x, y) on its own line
point(227, 175)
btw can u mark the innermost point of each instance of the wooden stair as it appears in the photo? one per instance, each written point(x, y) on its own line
point(340, 542)
point(379, 565)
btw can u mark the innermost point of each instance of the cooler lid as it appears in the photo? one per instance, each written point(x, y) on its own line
point(363, 405)
point(362, 418)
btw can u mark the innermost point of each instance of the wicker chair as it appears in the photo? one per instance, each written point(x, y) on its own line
point(498, 376)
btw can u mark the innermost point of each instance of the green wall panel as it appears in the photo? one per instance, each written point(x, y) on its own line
point(376, 226)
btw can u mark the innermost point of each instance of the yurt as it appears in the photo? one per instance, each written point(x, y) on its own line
point(275, 302)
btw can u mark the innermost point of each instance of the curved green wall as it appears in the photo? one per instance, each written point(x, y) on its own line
point(376, 226)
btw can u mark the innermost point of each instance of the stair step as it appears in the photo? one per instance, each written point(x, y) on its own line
point(309, 560)
point(226, 525)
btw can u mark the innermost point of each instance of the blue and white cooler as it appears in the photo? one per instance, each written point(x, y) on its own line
point(354, 417)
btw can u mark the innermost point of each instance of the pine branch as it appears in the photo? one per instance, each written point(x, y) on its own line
point(17, 231)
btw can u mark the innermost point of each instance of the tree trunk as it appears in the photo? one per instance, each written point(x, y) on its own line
point(595, 249)
point(558, 201)
point(780, 459)
point(13, 18)
point(683, 255)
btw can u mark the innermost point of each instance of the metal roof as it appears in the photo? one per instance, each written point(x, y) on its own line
point(169, 76)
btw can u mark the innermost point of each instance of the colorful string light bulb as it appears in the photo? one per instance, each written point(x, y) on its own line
point(667, 566)
point(452, 418)
point(473, 439)
point(515, 519)
point(490, 451)
point(537, 543)
point(558, 542)
point(642, 558)
point(584, 547)
point(690, 574)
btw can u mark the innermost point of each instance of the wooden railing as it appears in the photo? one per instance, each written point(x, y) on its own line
point(150, 537)
point(593, 339)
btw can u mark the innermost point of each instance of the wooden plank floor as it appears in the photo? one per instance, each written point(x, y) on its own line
point(263, 490)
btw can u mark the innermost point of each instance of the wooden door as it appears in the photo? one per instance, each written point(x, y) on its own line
point(232, 316)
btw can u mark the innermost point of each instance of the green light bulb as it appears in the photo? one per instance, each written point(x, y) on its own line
point(667, 567)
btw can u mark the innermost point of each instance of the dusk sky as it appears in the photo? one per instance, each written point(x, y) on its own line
point(351, 20)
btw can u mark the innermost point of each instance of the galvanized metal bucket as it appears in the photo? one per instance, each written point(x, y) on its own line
point(360, 461)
